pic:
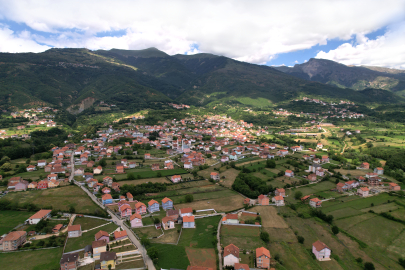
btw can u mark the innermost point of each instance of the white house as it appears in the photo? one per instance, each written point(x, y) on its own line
point(321, 251)
point(186, 212)
point(363, 191)
point(188, 222)
point(41, 214)
point(230, 219)
point(74, 231)
point(278, 200)
point(315, 203)
point(231, 255)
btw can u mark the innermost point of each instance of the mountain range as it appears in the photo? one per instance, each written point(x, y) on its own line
point(353, 77)
point(134, 79)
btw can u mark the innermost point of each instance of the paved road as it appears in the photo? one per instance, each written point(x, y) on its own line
point(219, 243)
point(142, 250)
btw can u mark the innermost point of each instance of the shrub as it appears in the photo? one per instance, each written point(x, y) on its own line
point(335, 230)
point(265, 237)
point(300, 239)
point(369, 266)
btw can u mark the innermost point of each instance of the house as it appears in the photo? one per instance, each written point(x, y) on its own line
point(280, 192)
point(175, 178)
point(136, 220)
point(98, 170)
point(69, 261)
point(320, 172)
point(23, 185)
point(88, 251)
point(57, 228)
point(41, 214)
point(108, 258)
point(188, 165)
point(379, 170)
point(41, 163)
point(188, 222)
point(140, 208)
point(262, 258)
point(365, 166)
point(241, 266)
point(32, 185)
point(98, 246)
point(174, 214)
point(43, 184)
point(119, 169)
point(120, 235)
point(167, 223)
point(312, 177)
point(315, 203)
point(363, 191)
point(153, 206)
point(102, 235)
point(53, 183)
point(230, 219)
point(30, 168)
point(368, 175)
point(289, 173)
point(321, 251)
point(263, 200)
point(215, 176)
point(13, 240)
point(167, 204)
point(374, 181)
point(74, 231)
point(107, 199)
point(394, 187)
point(340, 187)
point(224, 158)
point(247, 201)
point(325, 159)
point(116, 186)
point(155, 166)
point(186, 212)
point(231, 255)
point(130, 197)
point(278, 200)
point(107, 181)
point(106, 190)
point(125, 211)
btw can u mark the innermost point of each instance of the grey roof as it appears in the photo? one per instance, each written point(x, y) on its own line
point(88, 248)
point(71, 257)
point(107, 256)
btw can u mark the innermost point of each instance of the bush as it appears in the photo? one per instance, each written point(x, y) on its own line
point(298, 195)
point(369, 266)
point(189, 198)
point(335, 230)
point(265, 237)
point(300, 239)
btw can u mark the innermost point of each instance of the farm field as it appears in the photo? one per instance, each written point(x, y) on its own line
point(89, 223)
point(57, 198)
point(221, 204)
point(243, 237)
point(33, 260)
point(9, 219)
point(230, 176)
point(205, 257)
point(189, 184)
point(270, 218)
point(143, 181)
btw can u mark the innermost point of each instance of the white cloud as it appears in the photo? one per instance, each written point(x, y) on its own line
point(387, 50)
point(252, 31)
point(16, 43)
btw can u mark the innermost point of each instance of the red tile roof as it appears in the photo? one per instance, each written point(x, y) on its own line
point(73, 228)
point(320, 246)
point(262, 251)
point(120, 234)
point(231, 250)
point(40, 214)
point(188, 219)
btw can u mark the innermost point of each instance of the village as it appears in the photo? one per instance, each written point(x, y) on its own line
point(212, 191)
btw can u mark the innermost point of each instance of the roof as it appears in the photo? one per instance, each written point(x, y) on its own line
point(73, 228)
point(186, 210)
point(279, 198)
point(172, 212)
point(70, 257)
point(88, 248)
point(120, 234)
point(188, 219)
point(280, 189)
point(14, 235)
point(166, 219)
point(108, 256)
point(101, 234)
point(135, 216)
point(139, 204)
point(152, 202)
point(106, 197)
point(165, 200)
point(231, 216)
point(214, 173)
point(262, 196)
point(364, 188)
point(57, 227)
point(393, 184)
point(40, 214)
point(340, 184)
point(315, 200)
point(288, 171)
point(99, 243)
point(262, 251)
point(125, 207)
point(320, 246)
point(231, 250)
point(129, 195)
point(243, 266)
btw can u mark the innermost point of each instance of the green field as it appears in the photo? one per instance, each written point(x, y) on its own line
point(61, 198)
point(89, 223)
point(242, 237)
point(32, 260)
point(10, 219)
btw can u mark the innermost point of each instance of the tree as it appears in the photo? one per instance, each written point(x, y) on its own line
point(300, 239)
point(401, 262)
point(72, 210)
point(189, 198)
point(109, 267)
point(156, 221)
point(159, 174)
point(102, 162)
point(298, 195)
point(153, 253)
point(145, 242)
point(335, 230)
point(265, 237)
point(270, 163)
point(369, 266)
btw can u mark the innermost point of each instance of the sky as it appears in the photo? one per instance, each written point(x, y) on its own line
point(270, 32)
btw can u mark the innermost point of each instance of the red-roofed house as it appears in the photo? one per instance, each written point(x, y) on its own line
point(153, 206)
point(262, 258)
point(278, 200)
point(125, 211)
point(167, 204)
point(263, 200)
point(102, 235)
point(130, 197)
point(231, 255)
point(188, 222)
point(140, 208)
point(241, 266)
point(321, 251)
point(315, 203)
point(175, 178)
point(363, 191)
point(136, 220)
point(280, 192)
point(168, 223)
point(42, 184)
point(289, 173)
point(394, 186)
point(120, 235)
point(74, 231)
point(186, 212)
point(230, 219)
point(215, 176)
point(41, 214)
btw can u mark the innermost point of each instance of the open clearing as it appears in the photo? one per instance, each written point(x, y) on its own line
point(10, 219)
point(204, 257)
point(270, 218)
point(243, 237)
point(230, 176)
point(58, 198)
point(220, 204)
